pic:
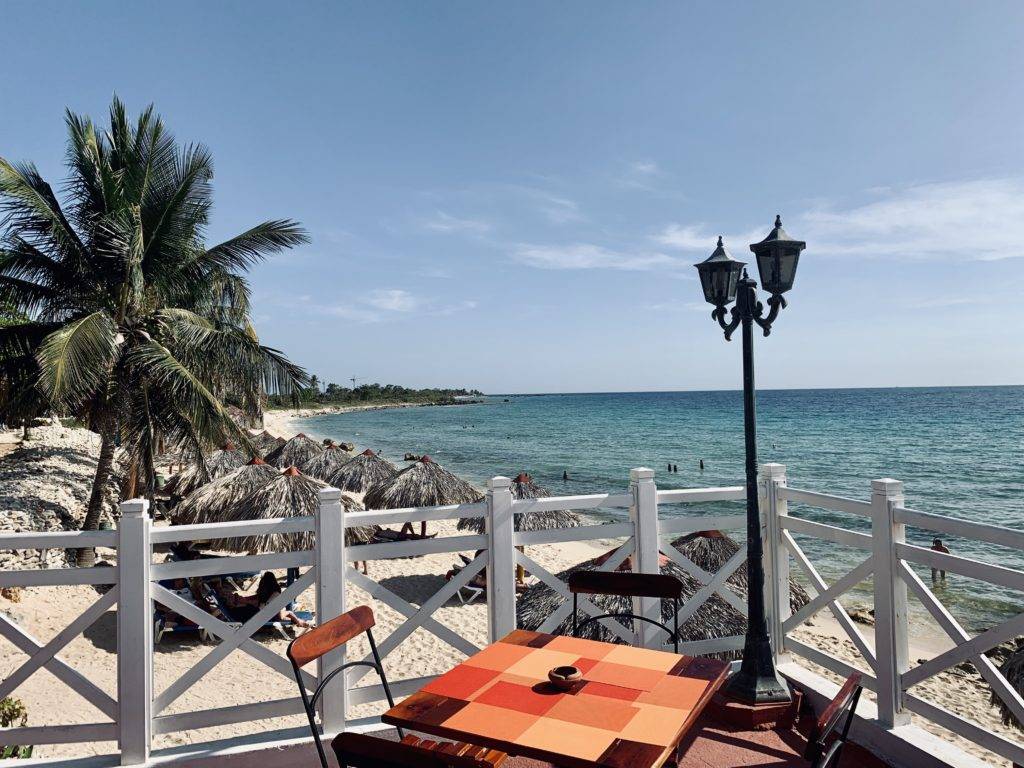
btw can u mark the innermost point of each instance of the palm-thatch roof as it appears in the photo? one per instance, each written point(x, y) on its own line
point(325, 464)
point(295, 452)
point(1012, 668)
point(523, 487)
point(186, 481)
point(360, 474)
point(422, 484)
point(214, 502)
point(713, 549)
point(266, 442)
point(715, 618)
point(289, 494)
point(225, 461)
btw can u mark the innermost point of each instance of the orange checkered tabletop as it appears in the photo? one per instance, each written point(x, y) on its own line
point(630, 710)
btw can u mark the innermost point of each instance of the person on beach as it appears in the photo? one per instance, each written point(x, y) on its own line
point(937, 574)
point(244, 607)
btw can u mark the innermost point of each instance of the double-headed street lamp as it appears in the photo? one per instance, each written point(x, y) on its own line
point(725, 280)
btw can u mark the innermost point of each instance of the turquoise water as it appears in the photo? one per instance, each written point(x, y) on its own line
point(960, 452)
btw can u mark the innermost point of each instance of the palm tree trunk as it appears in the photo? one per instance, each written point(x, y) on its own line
point(104, 468)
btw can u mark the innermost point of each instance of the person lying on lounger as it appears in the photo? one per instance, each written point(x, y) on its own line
point(244, 607)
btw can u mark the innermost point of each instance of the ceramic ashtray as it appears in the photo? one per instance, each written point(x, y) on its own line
point(563, 677)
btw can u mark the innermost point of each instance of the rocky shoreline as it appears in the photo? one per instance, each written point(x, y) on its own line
point(44, 486)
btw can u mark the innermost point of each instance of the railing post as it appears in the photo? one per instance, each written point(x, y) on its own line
point(776, 556)
point(646, 555)
point(891, 619)
point(501, 563)
point(134, 634)
point(329, 555)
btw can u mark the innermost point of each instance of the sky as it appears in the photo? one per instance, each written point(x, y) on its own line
point(511, 196)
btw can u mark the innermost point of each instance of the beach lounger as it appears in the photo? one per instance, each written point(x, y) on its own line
point(385, 535)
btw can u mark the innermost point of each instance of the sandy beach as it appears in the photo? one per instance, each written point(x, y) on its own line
point(240, 679)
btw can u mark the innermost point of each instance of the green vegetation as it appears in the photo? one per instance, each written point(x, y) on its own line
point(370, 394)
point(123, 316)
point(13, 715)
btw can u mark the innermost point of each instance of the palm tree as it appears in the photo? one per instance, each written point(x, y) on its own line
point(132, 322)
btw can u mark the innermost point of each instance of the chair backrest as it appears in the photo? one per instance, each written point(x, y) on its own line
point(358, 750)
point(324, 639)
point(330, 635)
point(627, 584)
point(819, 751)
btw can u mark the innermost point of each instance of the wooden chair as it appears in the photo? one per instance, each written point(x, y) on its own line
point(357, 750)
point(627, 584)
point(323, 639)
point(819, 752)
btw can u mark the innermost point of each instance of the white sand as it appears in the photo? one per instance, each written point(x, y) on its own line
point(240, 679)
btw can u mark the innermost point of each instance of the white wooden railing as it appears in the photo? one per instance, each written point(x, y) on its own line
point(138, 713)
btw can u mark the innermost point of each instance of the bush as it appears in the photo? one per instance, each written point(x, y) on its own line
point(13, 713)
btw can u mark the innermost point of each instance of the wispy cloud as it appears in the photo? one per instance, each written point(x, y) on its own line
point(589, 256)
point(944, 302)
point(645, 168)
point(963, 220)
point(444, 222)
point(377, 306)
point(393, 300)
point(559, 210)
point(980, 219)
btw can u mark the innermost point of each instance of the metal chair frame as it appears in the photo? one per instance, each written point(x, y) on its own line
point(820, 755)
point(309, 702)
point(673, 632)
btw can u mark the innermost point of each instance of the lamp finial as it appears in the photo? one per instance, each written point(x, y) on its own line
point(720, 241)
point(778, 220)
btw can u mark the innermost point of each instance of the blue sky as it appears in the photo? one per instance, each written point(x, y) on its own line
point(511, 196)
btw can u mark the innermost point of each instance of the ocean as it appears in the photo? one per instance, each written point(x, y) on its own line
point(959, 450)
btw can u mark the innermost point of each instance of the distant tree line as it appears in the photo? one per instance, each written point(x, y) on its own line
point(335, 394)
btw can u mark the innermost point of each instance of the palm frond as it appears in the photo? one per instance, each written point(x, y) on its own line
point(76, 359)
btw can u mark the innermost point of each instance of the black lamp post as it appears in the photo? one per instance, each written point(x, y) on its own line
point(725, 280)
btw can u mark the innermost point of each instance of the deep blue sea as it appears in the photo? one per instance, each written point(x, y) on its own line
point(960, 452)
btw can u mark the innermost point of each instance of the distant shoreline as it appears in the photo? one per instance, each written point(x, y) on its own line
point(280, 421)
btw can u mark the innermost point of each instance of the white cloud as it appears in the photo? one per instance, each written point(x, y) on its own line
point(392, 300)
point(962, 220)
point(697, 238)
point(444, 222)
point(560, 210)
point(645, 168)
point(589, 256)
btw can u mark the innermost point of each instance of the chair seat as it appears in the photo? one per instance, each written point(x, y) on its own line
point(482, 756)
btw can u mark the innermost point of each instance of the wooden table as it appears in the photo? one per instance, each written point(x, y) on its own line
point(631, 709)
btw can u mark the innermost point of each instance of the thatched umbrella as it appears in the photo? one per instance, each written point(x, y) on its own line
point(225, 461)
point(325, 464)
point(295, 452)
point(289, 494)
point(214, 502)
point(360, 474)
point(266, 442)
point(194, 476)
point(713, 549)
point(523, 487)
point(1012, 668)
point(422, 484)
point(715, 618)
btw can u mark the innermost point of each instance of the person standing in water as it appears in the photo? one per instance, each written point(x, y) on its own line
point(937, 574)
point(701, 465)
